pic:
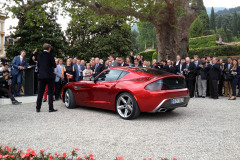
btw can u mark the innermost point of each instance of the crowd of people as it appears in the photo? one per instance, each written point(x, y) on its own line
point(205, 76)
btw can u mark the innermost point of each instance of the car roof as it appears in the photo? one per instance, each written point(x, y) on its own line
point(147, 71)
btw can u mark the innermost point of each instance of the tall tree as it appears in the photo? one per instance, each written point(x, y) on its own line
point(98, 36)
point(235, 24)
point(171, 18)
point(196, 29)
point(134, 35)
point(212, 20)
point(147, 35)
point(33, 32)
point(219, 22)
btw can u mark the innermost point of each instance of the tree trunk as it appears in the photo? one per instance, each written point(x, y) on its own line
point(172, 33)
point(172, 41)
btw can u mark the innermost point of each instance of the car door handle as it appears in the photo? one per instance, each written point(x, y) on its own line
point(107, 85)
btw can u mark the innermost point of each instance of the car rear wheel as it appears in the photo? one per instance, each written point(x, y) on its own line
point(69, 99)
point(126, 106)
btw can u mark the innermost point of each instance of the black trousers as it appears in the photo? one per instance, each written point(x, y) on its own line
point(41, 88)
point(5, 91)
point(35, 82)
point(220, 88)
point(239, 87)
point(191, 86)
point(213, 84)
point(208, 88)
point(58, 87)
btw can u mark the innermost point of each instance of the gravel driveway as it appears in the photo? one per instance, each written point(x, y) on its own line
point(208, 129)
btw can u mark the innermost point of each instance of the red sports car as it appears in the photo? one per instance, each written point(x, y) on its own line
point(129, 91)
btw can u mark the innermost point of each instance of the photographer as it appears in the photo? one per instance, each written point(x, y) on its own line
point(3, 84)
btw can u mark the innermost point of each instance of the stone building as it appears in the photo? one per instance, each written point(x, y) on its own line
point(2, 35)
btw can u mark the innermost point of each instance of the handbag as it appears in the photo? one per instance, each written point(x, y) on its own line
point(227, 76)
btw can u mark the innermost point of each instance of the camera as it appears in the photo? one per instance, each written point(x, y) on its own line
point(5, 61)
point(186, 72)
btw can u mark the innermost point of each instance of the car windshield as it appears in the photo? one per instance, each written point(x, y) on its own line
point(152, 71)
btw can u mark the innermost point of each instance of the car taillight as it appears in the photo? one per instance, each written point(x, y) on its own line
point(156, 86)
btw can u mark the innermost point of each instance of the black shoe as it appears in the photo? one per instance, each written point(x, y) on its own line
point(232, 99)
point(38, 110)
point(203, 96)
point(53, 110)
point(16, 102)
point(215, 98)
point(44, 100)
point(238, 95)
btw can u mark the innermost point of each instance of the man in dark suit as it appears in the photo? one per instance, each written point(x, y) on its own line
point(98, 68)
point(177, 62)
point(19, 64)
point(46, 65)
point(189, 72)
point(213, 78)
point(180, 68)
point(202, 76)
point(113, 62)
point(122, 63)
point(171, 69)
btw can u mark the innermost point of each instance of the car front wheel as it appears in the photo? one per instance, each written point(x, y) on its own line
point(69, 99)
point(126, 106)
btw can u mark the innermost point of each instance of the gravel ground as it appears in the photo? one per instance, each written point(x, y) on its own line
point(207, 129)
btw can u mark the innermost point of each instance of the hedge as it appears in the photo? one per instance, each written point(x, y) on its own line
point(202, 42)
point(216, 51)
point(155, 56)
point(147, 55)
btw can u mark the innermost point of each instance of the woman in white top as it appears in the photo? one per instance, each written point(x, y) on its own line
point(87, 73)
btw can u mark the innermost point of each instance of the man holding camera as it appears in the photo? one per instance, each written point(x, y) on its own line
point(3, 85)
point(19, 64)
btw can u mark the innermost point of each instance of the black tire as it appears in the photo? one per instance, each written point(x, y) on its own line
point(129, 105)
point(69, 99)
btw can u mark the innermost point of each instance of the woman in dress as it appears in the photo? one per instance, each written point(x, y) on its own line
point(235, 71)
point(69, 71)
point(87, 73)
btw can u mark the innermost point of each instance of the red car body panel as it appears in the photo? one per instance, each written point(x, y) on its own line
point(103, 94)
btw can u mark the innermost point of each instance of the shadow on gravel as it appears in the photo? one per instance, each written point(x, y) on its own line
point(174, 115)
point(161, 116)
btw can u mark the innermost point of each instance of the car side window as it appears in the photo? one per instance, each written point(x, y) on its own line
point(110, 75)
point(124, 73)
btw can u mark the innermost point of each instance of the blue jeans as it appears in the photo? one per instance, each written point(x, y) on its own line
point(17, 79)
point(234, 85)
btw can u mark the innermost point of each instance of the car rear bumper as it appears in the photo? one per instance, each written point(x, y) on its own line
point(167, 105)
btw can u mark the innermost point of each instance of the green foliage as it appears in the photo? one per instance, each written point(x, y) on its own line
point(216, 51)
point(134, 35)
point(33, 33)
point(155, 56)
point(226, 34)
point(196, 29)
point(147, 55)
point(235, 24)
point(202, 42)
point(91, 36)
point(212, 20)
point(200, 26)
point(147, 33)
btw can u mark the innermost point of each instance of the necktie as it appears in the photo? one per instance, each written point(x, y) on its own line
point(62, 71)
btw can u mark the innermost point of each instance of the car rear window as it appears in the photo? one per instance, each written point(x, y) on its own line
point(174, 83)
point(152, 71)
